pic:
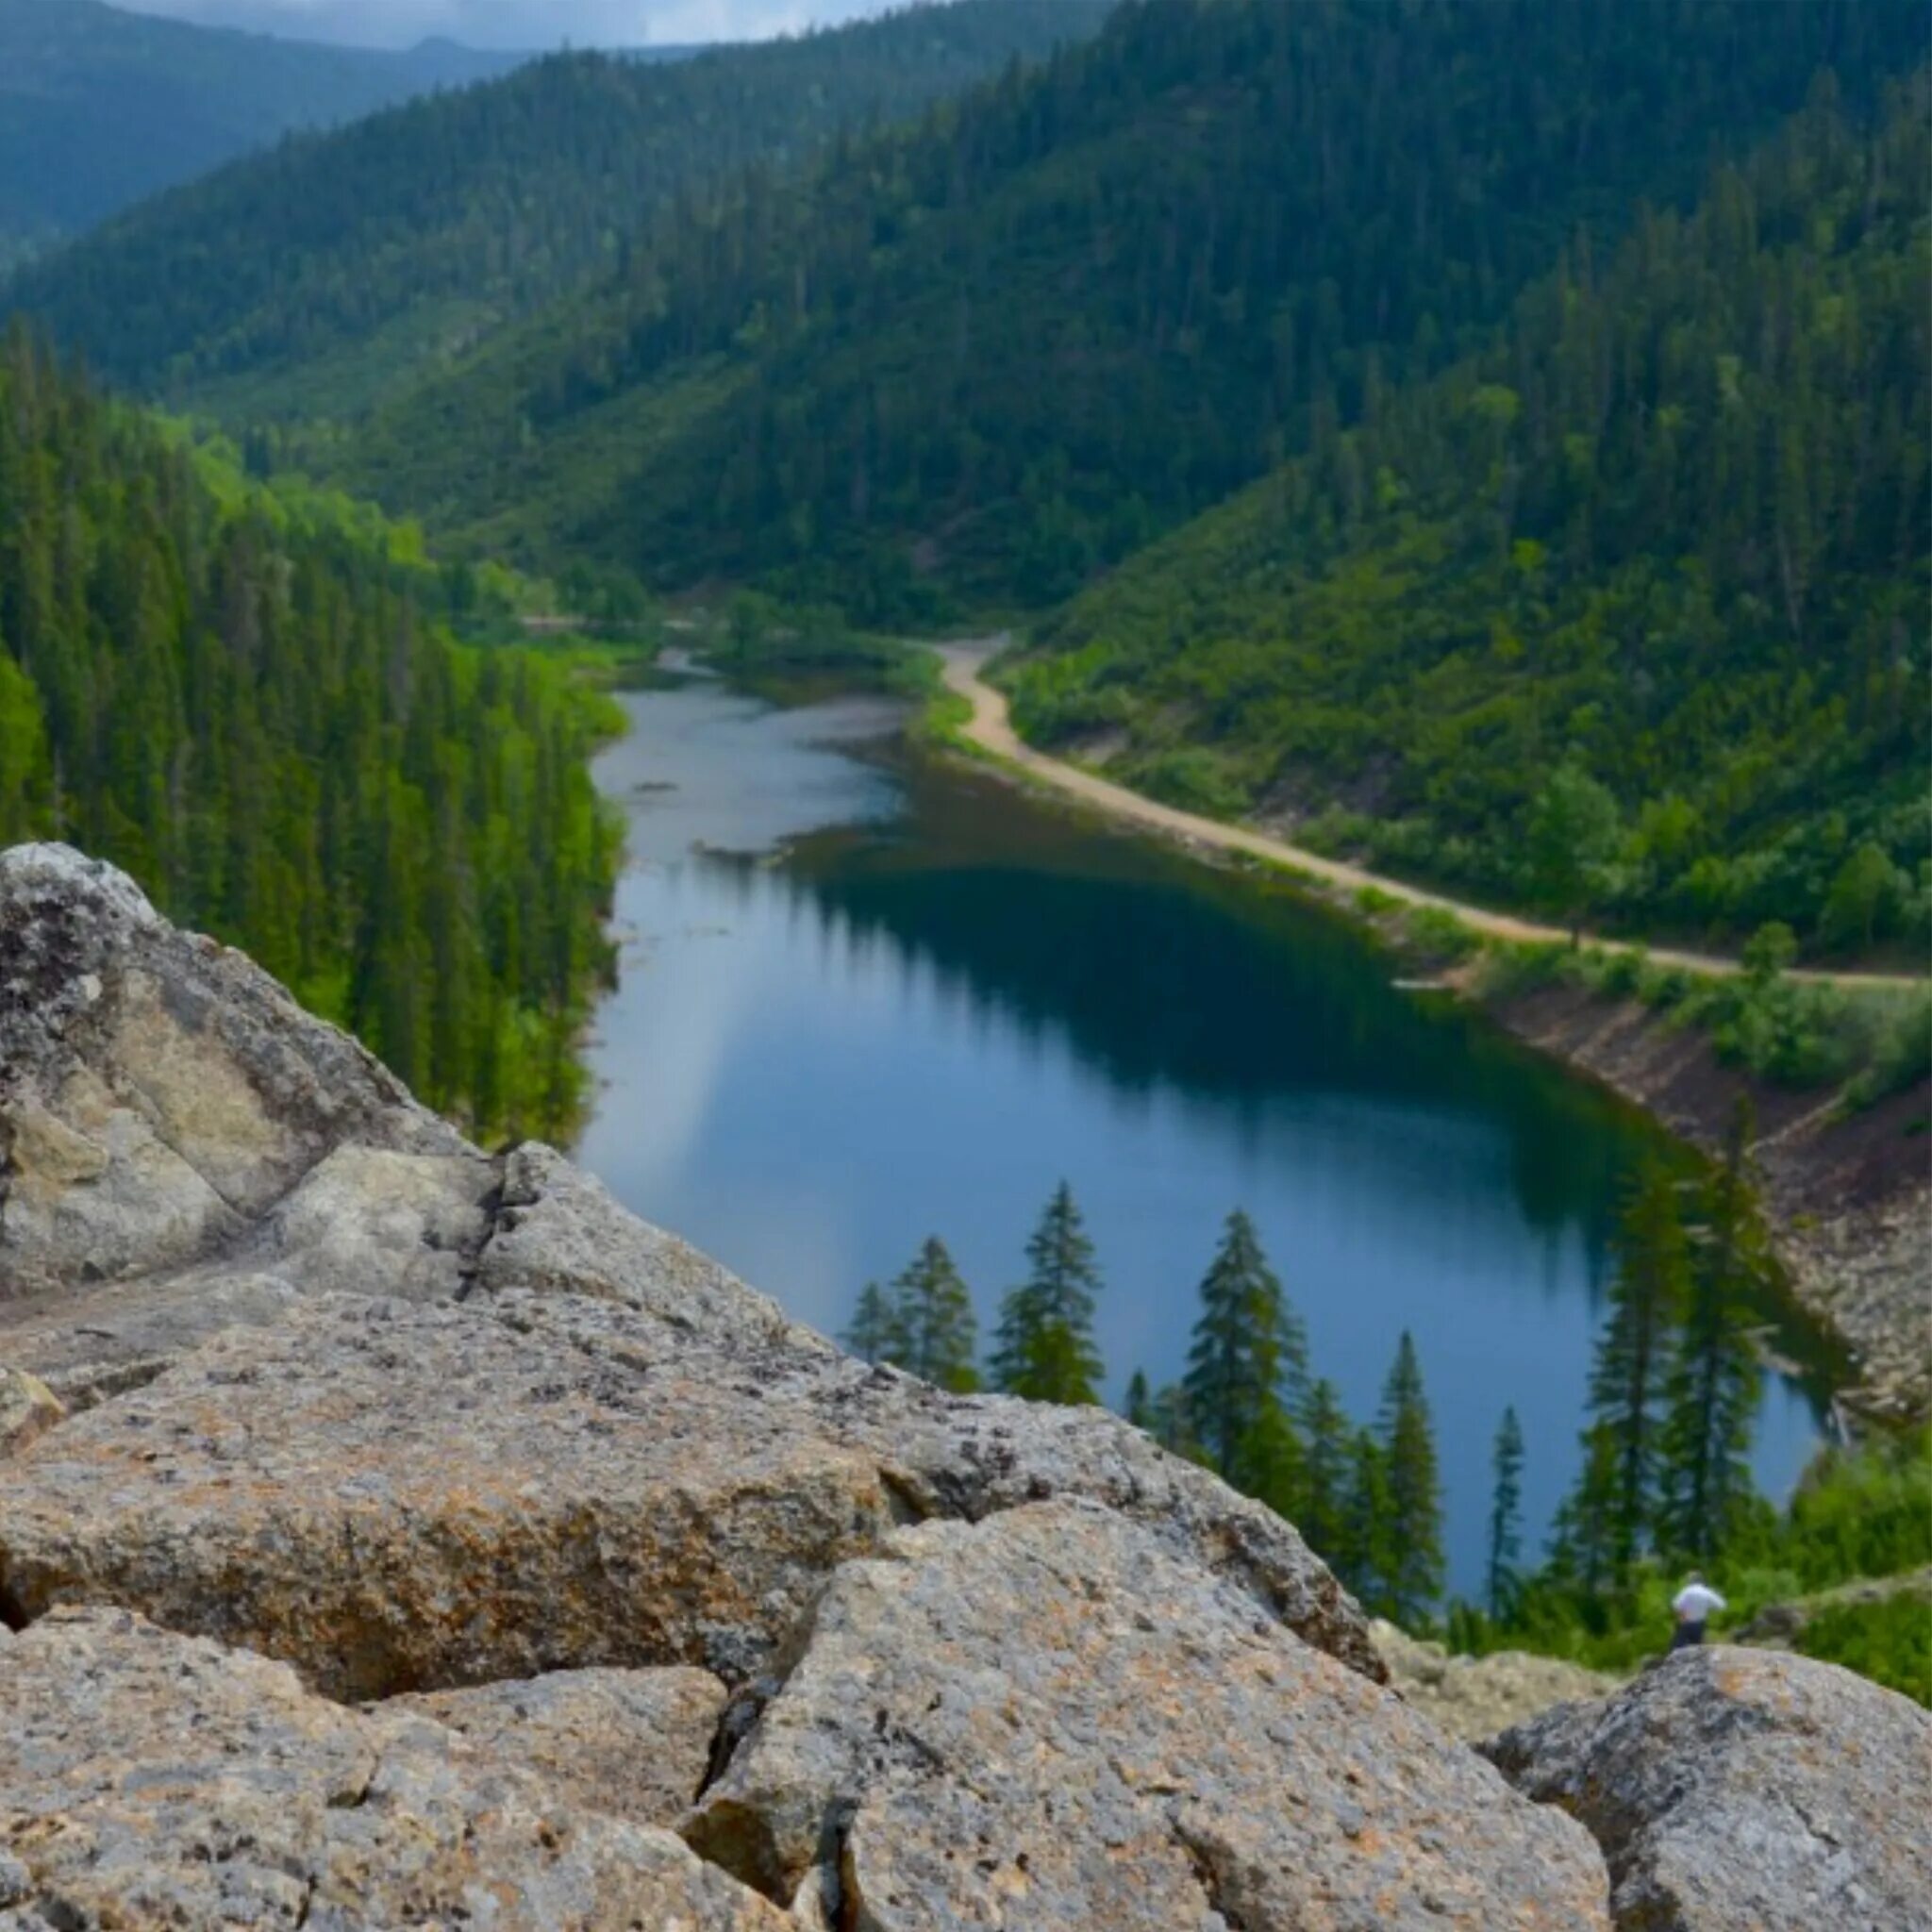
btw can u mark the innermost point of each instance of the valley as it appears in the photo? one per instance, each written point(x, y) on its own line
point(1208, 721)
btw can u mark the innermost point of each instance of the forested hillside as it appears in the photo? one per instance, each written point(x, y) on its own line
point(99, 106)
point(309, 281)
point(255, 717)
point(1669, 532)
point(972, 362)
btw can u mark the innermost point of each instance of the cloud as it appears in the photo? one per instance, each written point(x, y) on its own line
point(535, 23)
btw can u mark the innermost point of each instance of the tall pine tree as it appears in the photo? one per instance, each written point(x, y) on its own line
point(1713, 1381)
point(1505, 1514)
point(1044, 1348)
point(1323, 1515)
point(1413, 1535)
point(1249, 1359)
point(932, 1312)
point(1647, 1299)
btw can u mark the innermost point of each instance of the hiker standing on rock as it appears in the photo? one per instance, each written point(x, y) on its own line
point(1693, 1607)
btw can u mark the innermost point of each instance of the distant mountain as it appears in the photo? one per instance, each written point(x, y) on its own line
point(99, 107)
point(974, 363)
point(315, 278)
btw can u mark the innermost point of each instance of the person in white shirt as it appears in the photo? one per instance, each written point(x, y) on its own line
point(1693, 1607)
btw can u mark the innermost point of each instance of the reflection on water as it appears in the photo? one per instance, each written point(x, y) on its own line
point(940, 999)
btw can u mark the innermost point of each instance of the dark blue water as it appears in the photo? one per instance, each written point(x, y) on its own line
point(866, 998)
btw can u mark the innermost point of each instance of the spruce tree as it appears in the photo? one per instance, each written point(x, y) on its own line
point(1139, 1405)
point(1506, 1513)
point(1362, 1557)
point(1713, 1382)
point(1413, 1535)
point(1583, 1546)
point(1043, 1348)
point(1326, 1469)
point(1248, 1347)
point(1170, 1424)
point(932, 1312)
point(873, 1332)
point(1626, 1378)
point(1271, 1463)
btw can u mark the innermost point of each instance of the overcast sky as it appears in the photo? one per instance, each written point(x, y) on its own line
point(516, 23)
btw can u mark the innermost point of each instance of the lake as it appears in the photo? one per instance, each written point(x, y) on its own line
point(866, 996)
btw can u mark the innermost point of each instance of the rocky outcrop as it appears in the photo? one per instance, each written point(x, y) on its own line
point(396, 1534)
point(1475, 1697)
point(1733, 1790)
point(994, 1718)
point(148, 1780)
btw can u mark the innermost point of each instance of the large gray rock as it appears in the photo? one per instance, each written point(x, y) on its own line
point(148, 1780)
point(157, 1091)
point(397, 1498)
point(1732, 1789)
point(557, 1231)
point(634, 1744)
point(1049, 1721)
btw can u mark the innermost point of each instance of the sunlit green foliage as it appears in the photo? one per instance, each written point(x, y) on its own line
point(1666, 540)
point(248, 708)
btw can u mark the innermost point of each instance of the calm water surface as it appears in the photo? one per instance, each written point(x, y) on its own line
point(865, 999)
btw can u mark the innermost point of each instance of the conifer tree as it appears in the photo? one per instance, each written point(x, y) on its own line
point(1647, 1298)
point(1413, 1534)
point(1362, 1557)
point(1583, 1546)
point(1139, 1405)
point(1247, 1348)
point(874, 1334)
point(1171, 1425)
point(1271, 1463)
point(933, 1322)
point(1326, 1469)
point(1713, 1381)
point(1043, 1348)
point(1506, 1513)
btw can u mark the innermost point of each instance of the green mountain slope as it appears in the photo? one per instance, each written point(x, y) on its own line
point(308, 281)
point(1672, 526)
point(251, 709)
point(100, 108)
point(973, 362)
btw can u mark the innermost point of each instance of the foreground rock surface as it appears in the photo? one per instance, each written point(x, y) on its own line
point(1733, 1790)
point(152, 1781)
point(987, 1725)
point(292, 1369)
point(634, 1744)
point(1475, 1697)
point(398, 1498)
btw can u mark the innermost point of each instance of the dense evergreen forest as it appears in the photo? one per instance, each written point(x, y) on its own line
point(312, 280)
point(971, 362)
point(1669, 531)
point(255, 715)
point(100, 108)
